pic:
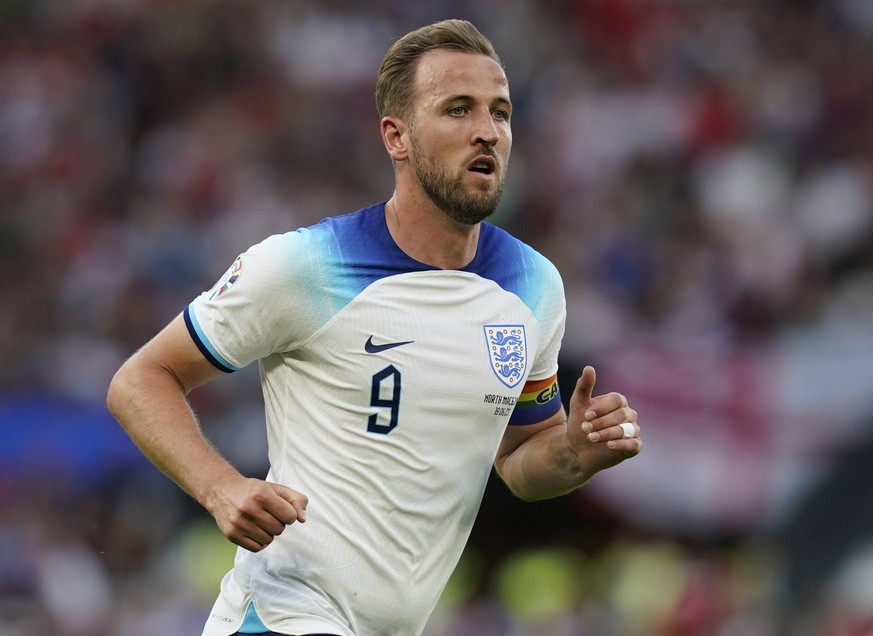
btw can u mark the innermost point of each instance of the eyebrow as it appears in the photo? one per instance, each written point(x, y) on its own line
point(503, 102)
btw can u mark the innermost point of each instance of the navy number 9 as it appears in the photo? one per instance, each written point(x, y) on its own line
point(392, 376)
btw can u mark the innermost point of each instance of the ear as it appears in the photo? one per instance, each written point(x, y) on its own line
point(394, 137)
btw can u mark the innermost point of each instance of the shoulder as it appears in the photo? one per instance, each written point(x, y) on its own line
point(515, 265)
point(328, 241)
point(350, 228)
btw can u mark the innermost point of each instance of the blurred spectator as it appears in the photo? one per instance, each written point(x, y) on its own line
point(701, 172)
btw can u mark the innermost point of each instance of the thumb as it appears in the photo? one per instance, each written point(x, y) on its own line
point(298, 500)
point(585, 384)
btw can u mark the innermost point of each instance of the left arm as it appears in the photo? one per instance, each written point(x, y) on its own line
point(559, 454)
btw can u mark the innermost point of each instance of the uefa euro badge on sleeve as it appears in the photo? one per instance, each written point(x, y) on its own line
point(507, 351)
point(226, 282)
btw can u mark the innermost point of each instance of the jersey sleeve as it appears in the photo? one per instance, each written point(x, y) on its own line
point(541, 398)
point(265, 303)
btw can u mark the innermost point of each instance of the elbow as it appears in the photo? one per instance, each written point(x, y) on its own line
point(118, 392)
point(124, 388)
point(531, 493)
point(538, 486)
point(515, 486)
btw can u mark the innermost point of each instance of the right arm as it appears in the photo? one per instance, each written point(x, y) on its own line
point(148, 396)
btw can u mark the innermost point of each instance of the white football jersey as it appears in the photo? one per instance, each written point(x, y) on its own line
point(388, 385)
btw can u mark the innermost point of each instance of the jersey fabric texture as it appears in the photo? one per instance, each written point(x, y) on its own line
point(388, 385)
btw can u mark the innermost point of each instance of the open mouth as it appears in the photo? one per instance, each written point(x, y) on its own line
point(483, 165)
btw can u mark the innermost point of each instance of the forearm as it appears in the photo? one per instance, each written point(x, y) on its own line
point(563, 452)
point(543, 467)
point(151, 405)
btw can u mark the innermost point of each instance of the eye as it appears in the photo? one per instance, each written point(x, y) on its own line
point(457, 110)
point(500, 114)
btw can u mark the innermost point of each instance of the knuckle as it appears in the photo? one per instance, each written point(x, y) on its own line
point(236, 518)
point(258, 496)
point(245, 512)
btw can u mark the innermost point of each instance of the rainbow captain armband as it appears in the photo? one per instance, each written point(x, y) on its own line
point(539, 400)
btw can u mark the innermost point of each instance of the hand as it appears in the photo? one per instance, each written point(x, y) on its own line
point(251, 512)
point(594, 429)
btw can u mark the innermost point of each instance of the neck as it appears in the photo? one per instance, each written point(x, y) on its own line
point(428, 235)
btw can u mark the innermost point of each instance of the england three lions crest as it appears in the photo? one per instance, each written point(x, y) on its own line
point(507, 350)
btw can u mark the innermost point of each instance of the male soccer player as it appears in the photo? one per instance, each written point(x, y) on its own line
point(404, 349)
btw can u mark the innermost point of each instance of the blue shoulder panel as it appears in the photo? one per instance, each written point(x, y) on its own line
point(513, 265)
point(359, 250)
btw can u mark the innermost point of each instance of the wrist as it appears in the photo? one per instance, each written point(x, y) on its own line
point(211, 487)
point(571, 461)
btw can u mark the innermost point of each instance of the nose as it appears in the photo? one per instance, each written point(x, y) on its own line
point(486, 131)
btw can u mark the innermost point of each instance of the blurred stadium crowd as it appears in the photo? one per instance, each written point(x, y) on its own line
point(700, 171)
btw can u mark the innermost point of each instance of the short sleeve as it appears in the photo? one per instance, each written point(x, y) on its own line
point(266, 302)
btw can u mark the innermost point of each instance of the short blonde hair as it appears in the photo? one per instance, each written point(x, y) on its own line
point(396, 79)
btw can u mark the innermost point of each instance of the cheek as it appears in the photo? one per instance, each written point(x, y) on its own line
point(506, 141)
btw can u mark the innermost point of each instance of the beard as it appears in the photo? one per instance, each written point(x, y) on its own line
point(448, 193)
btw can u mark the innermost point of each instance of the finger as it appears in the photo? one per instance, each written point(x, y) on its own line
point(249, 535)
point(297, 502)
point(255, 521)
point(625, 430)
point(255, 538)
point(264, 513)
point(259, 535)
point(605, 404)
point(585, 385)
point(245, 542)
point(611, 418)
point(627, 447)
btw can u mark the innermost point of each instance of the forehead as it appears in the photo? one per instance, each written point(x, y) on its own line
point(443, 73)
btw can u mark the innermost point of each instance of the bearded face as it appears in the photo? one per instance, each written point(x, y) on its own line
point(461, 198)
